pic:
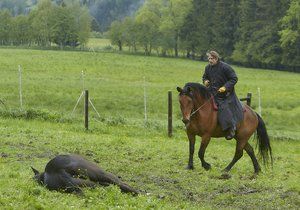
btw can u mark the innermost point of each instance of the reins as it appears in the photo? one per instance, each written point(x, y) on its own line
point(200, 107)
point(194, 112)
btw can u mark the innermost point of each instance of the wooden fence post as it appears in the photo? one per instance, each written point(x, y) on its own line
point(249, 96)
point(86, 109)
point(170, 113)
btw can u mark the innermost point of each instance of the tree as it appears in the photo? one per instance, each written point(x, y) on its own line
point(82, 22)
point(224, 26)
point(20, 30)
point(290, 35)
point(148, 19)
point(247, 26)
point(71, 24)
point(41, 22)
point(5, 26)
point(63, 29)
point(261, 47)
point(196, 32)
point(116, 34)
point(173, 17)
point(129, 33)
point(189, 35)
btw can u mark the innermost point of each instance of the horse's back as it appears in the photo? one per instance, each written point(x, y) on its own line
point(245, 128)
point(249, 124)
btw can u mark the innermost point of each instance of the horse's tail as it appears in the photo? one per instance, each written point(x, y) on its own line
point(263, 140)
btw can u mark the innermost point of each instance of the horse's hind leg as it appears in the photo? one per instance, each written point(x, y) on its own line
point(105, 178)
point(238, 154)
point(248, 148)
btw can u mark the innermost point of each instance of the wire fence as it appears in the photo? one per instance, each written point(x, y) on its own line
point(111, 99)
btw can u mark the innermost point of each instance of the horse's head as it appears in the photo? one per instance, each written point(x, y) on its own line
point(39, 177)
point(186, 103)
point(190, 93)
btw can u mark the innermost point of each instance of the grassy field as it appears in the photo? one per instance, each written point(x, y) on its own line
point(147, 160)
point(122, 143)
point(99, 44)
point(52, 82)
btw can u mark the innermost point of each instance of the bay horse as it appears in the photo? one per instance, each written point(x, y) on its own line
point(199, 114)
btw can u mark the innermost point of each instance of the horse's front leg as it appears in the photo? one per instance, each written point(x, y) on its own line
point(191, 151)
point(204, 142)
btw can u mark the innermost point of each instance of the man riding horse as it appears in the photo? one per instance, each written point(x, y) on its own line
point(220, 79)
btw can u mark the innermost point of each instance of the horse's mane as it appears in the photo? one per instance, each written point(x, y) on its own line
point(203, 91)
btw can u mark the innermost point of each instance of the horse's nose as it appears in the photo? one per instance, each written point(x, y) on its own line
point(185, 121)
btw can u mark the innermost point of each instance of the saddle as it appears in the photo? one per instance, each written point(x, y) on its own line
point(215, 106)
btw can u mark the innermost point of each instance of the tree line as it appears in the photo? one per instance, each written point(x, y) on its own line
point(103, 12)
point(64, 24)
point(257, 33)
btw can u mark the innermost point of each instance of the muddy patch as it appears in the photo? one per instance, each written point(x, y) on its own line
point(246, 190)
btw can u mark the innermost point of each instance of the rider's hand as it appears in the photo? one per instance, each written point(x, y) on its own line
point(222, 89)
point(206, 83)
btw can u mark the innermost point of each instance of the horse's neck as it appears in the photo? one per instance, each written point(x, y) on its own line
point(204, 106)
point(201, 101)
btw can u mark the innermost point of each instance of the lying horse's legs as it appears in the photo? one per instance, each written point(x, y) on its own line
point(105, 178)
point(248, 148)
point(240, 144)
point(191, 151)
point(204, 143)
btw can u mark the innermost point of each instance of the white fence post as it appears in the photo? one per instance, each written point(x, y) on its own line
point(145, 101)
point(259, 102)
point(20, 87)
point(82, 78)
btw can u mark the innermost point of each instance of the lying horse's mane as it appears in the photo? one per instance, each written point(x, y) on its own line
point(203, 91)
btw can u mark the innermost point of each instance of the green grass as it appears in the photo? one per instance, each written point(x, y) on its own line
point(95, 44)
point(140, 153)
point(52, 81)
point(147, 160)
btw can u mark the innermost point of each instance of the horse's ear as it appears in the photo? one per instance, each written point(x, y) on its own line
point(179, 89)
point(36, 172)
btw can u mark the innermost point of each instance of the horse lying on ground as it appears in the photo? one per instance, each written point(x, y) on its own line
point(200, 118)
point(71, 172)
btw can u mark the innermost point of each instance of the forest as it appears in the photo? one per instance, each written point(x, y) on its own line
point(253, 33)
point(103, 12)
point(61, 24)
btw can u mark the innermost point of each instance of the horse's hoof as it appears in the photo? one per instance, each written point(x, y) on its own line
point(257, 171)
point(206, 166)
point(189, 167)
point(225, 171)
point(225, 175)
point(254, 176)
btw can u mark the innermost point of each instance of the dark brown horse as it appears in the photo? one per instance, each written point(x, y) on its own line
point(200, 118)
point(70, 173)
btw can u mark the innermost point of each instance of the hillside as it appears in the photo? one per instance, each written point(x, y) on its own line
point(103, 11)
